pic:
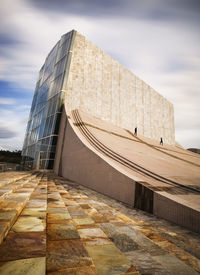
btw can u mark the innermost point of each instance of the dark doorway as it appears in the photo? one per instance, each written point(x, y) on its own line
point(143, 198)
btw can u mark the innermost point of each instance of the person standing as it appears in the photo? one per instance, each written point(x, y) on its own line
point(135, 133)
point(161, 141)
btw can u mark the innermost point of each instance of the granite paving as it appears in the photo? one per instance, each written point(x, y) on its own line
point(50, 225)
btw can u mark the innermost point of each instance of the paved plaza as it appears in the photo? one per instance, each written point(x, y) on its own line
point(51, 225)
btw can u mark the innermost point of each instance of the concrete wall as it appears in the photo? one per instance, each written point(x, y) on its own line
point(100, 86)
point(175, 212)
point(78, 163)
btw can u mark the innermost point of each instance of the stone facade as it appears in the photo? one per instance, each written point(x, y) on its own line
point(102, 87)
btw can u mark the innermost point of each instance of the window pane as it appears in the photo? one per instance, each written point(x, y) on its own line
point(50, 164)
point(57, 122)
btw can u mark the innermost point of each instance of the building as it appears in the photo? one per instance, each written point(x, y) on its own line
point(89, 79)
point(84, 112)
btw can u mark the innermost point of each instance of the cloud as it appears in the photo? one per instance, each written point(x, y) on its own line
point(145, 9)
point(7, 101)
point(24, 107)
point(157, 40)
point(6, 132)
point(12, 127)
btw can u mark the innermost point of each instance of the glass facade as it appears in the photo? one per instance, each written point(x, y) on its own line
point(42, 129)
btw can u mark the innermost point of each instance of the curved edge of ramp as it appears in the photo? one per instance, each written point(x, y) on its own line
point(79, 161)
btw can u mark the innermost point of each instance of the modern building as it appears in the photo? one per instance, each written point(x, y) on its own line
point(81, 74)
point(82, 122)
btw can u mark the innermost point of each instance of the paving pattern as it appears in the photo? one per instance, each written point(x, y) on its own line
point(54, 226)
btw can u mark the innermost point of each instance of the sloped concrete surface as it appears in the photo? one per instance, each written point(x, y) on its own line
point(65, 228)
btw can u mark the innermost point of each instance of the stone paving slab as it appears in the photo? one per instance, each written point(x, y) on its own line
point(13, 201)
point(23, 245)
point(65, 228)
point(30, 266)
point(61, 231)
point(11, 177)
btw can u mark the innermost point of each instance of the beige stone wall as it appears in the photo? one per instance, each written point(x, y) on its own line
point(100, 86)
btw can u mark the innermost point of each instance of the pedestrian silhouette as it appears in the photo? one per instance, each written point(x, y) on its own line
point(161, 141)
point(135, 133)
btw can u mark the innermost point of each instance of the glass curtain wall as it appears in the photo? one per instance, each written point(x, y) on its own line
point(43, 124)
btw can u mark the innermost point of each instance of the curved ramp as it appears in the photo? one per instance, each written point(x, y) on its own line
point(163, 180)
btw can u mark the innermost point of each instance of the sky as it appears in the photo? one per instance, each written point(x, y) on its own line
point(158, 40)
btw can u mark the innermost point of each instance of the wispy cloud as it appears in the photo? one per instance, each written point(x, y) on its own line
point(7, 101)
point(12, 127)
point(6, 133)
